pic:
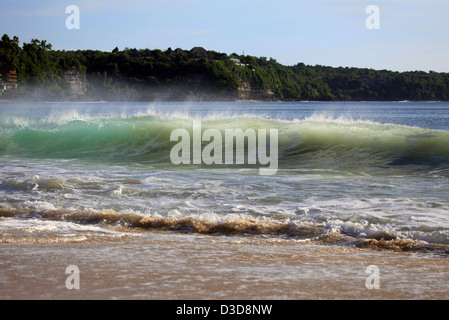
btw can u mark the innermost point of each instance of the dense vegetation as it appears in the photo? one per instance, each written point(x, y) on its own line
point(146, 74)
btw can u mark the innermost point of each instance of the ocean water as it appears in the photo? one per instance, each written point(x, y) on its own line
point(352, 174)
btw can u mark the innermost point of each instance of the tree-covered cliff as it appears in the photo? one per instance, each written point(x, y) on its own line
point(198, 74)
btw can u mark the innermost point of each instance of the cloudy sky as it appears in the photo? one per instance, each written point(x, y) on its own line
point(413, 34)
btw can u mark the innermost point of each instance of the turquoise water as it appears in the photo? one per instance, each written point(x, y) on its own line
point(359, 170)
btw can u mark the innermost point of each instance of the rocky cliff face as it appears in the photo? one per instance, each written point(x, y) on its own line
point(248, 91)
point(77, 82)
point(195, 89)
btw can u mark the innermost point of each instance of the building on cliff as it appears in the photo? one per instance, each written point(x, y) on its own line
point(198, 52)
point(8, 78)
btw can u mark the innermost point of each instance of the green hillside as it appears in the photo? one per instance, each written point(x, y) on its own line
point(198, 74)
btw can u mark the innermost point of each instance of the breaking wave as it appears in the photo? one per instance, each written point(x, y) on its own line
point(145, 137)
point(238, 225)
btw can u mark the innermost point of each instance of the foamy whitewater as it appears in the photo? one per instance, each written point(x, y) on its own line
point(368, 174)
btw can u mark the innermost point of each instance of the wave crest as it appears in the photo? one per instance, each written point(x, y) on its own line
point(146, 137)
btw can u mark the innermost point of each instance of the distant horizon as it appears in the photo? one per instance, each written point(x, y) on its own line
point(328, 33)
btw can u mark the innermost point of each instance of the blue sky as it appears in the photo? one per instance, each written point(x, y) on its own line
point(413, 34)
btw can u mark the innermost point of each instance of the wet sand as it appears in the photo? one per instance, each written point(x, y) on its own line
point(184, 266)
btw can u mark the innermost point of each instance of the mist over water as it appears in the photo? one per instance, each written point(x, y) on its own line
point(362, 171)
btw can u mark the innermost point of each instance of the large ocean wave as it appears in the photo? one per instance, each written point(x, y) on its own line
point(145, 137)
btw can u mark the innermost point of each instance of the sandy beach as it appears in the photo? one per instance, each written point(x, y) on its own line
point(172, 266)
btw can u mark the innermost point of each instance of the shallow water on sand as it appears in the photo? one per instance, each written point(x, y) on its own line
point(176, 266)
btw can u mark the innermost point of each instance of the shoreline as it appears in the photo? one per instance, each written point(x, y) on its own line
point(173, 266)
